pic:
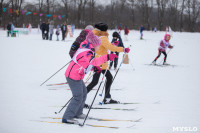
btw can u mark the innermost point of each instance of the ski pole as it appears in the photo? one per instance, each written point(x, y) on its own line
point(67, 83)
point(132, 65)
point(55, 73)
point(105, 83)
point(103, 89)
point(72, 97)
point(64, 106)
point(120, 65)
point(115, 76)
point(167, 54)
point(94, 97)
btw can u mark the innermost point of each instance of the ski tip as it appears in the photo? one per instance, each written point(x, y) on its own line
point(81, 125)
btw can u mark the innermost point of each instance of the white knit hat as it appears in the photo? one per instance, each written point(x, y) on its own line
point(89, 27)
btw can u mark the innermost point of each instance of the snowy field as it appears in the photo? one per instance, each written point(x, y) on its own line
point(167, 97)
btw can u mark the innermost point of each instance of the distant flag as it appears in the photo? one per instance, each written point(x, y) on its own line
point(59, 17)
point(10, 10)
point(34, 13)
point(4, 9)
point(41, 14)
point(17, 11)
point(48, 15)
point(54, 16)
point(28, 13)
point(23, 12)
point(63, 16)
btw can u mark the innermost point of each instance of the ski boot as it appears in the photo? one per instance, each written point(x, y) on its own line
point(165, 63)
point(154, 62)
point(70, 121)
point(110, 101)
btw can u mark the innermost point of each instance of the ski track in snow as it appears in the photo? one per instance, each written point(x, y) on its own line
point(168, 96)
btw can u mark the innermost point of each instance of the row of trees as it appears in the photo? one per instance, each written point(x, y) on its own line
point(181, 15)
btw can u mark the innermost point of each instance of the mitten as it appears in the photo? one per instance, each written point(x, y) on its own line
point(97, 69)
point(127, 50)
point(112, 57)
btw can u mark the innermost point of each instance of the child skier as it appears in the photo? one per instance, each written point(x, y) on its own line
point(164, 44)
point(58, 32)
point(141, 31)
point(82, 62)
point(126, 32)
point(116, 41)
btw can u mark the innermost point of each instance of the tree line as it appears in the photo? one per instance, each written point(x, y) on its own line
point(180, 15)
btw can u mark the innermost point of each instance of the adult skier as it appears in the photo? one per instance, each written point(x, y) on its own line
point(101, 31)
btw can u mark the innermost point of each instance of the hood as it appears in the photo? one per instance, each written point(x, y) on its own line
point(100, 33)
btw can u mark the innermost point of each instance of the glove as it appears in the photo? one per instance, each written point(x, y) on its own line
point(112, 57)
point(127, 50)
point(97, 69)
point(116, 43)
point(171, 46)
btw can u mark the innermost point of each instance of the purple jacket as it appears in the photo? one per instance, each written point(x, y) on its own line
point(83, 62)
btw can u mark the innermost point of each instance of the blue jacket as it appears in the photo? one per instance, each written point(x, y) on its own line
point(142, 28)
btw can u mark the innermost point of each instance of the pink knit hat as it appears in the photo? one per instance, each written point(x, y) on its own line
point(93, 39)
point(166, 36)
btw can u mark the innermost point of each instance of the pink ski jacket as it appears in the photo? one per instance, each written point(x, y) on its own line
point(164, 44)
point(83, 61)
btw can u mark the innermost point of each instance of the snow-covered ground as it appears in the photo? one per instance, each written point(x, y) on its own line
point(168, 97)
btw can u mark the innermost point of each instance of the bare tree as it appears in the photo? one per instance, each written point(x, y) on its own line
point(195, 13)
point(193, 10)
point(66, 2)
point(181, 15)
point(145, 7)
point(173, 13)
point(161, 6)
point(81, 11)
point(132, 8)
point(1, 13)
point(92, 7)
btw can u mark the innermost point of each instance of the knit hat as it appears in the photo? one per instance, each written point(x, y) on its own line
point(101, 26)
point(166, 36)
point(89, 27)
point(93, 39)
point(115, 34)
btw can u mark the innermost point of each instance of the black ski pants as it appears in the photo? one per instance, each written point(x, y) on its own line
point(95, 81)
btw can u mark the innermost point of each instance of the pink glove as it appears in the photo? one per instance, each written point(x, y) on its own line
point(97, 69)
point(112, 57)
point(116, 43)
point(127, 50)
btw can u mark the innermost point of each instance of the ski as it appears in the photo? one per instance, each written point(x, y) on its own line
point(57, 84)
point(91, 125)
point(101, 103)
point(161, 65)
point(126, 103)
point(98, 119)
point(69, 89)
point(133, 109)
point(62, 84)
point(124, 109)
